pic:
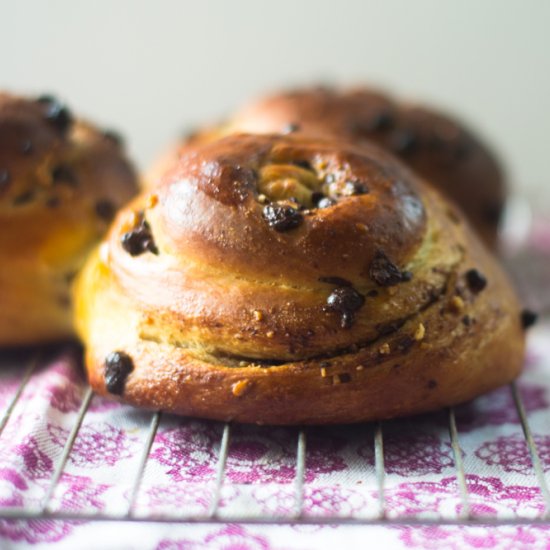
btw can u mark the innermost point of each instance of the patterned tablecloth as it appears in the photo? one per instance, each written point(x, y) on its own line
point(261, 465)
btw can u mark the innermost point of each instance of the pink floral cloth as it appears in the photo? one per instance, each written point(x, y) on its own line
point(340, 478)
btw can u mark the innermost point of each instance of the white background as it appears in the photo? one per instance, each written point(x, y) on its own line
point(152, 69)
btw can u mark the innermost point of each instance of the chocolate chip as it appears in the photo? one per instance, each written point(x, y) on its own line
point(118, 365)
point(385, 273)
point(528, 318)
point(352, 188)
point(56, 112)
point(326, 202)
point(305, 164)
point(492, 212)
point(64, 175)
point(344, 377)
point(53, 202)
point(24, 198)
point(114, 137)
point(476, 281)
point(27, 147)
point(5, 178)
point(290, 128)
point(139, 240)
point(404, 142)
point(282, 217)
point(105, 209)
point(345, 300)
point(337, 281)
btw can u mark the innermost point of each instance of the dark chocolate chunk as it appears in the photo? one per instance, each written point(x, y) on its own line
point(344, 377)
point(305, 164)
point(53, 202)
point(290, 128)
point(338, 281)
point(114, 137)
point(105, 209)
point(118, 365)
point(282, 217)
point(382, 120)
point(404, 142)
point(139, 240)
point(492, 212)
point(345, 300)
point(528, 318)
point(385, 273)
point(64, 175)
point(24, 198)
point(5, 178)
point(56, 113)
point(476, 281)
point(352, 188)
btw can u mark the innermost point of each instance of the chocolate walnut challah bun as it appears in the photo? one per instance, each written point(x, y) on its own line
point(440, 149)
point(289, 279)
point(61, 182)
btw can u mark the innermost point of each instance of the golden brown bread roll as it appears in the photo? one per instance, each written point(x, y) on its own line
point(61, 182)
point(295, 280)
point(440, 149)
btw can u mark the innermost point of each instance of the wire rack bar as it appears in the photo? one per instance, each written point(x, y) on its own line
point(380, 469)
point(535, 458)
point(26, 377)
point(19, 514)
point(67, 449)
point(155, 421)
point(465, 513)
point(220, 473)
point(300, 474)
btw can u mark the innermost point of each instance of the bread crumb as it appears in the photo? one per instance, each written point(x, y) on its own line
point(262, 198)
point(457, 304)
point(384, 349)
point(258, 315)
point(270, 334)
point(240, 387)
point(243, 363)
point(362, 227)
point(324, 372)
point(359, 367)
point(420, 332)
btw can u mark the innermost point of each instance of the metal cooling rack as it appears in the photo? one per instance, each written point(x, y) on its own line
point(464, 517)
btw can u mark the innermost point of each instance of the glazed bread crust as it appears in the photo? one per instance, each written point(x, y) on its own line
point(439, 148)
point(61, 182)
point(293, 279)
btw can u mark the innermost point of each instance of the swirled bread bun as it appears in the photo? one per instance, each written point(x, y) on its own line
point(438, 147)
point(61, 181)
point(295, 280)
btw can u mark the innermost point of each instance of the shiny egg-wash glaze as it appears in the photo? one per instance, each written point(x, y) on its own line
point(440, 149)
point(61, 182)
point(375, 301)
